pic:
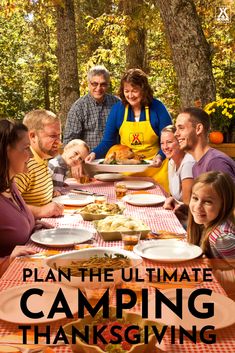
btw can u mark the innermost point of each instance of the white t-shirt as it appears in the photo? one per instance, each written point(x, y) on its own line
point(176, 176)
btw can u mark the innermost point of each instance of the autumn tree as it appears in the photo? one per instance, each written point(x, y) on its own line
point(191, 53)
point(67, 56)
point(135, 33)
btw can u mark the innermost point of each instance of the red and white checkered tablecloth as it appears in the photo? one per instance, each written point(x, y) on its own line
point(158, 219)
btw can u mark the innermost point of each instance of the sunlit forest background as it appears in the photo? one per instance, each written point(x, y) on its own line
point(30, 41)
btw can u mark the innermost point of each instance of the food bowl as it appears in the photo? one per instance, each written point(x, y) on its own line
point(96, 259)
point(95, 211)
point(111, 227)
point(129, 318)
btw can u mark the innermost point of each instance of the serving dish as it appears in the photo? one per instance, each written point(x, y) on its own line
point(65, 260)
point(111, 227)
point(95, 211)
point(97, 165)
point(129, 318)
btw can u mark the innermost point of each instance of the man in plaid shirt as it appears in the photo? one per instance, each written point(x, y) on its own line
point(87, 116)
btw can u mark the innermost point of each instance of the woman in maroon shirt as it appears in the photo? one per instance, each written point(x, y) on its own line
point(16, 220)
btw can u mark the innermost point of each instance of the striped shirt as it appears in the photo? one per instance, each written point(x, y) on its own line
point(222, 241)
point(36, 185)
point(87, 118)
point(59, 170)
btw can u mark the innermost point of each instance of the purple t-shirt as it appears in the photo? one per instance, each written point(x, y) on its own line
point(16, 224)
point(214, 160)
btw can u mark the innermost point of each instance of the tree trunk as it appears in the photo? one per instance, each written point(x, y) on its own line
point(190, 51)
point(67, 57)
point(136, 33)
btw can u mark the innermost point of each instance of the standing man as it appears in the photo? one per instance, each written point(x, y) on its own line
point(87, 116)
point(36, 185)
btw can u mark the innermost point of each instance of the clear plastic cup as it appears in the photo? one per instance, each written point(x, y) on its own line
point(130, 240)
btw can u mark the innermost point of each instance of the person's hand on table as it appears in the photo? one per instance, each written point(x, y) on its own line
point(179, 208)
point(77, 171)
point(90, 157)
point(41, 225)
point(157, 161)
point(21, 250)
point(53, 209)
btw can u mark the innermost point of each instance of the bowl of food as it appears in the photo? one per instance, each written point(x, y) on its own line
point(89, 267)
point(111, 227)
point(124, 324)
point(96, 211)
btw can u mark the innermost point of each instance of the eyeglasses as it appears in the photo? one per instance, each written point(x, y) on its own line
point(96, 84)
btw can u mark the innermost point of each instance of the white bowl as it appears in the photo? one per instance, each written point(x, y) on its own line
point(84, 254)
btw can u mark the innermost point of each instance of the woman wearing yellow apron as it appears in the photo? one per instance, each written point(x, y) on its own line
point(137, 120)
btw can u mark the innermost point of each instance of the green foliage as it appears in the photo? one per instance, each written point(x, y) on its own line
point(28, 64)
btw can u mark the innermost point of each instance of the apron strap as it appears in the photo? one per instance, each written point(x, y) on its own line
point(147, 116)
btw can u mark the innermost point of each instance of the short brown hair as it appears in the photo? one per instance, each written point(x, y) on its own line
point(36, 119)
point(198, 115)
point(136, 77)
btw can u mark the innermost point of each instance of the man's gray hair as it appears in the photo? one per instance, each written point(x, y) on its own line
point(98, 71)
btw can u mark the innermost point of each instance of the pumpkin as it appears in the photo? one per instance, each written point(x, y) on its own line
point(216, 137)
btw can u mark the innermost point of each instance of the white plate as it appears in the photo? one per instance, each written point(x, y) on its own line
point(66, 258)
point(168, 250)
point(137, 184)
point(224, 310)
point(96, 165)
point(74, 199)
point(108, 176)
point(143, 199)
point(61, 237)
point(10, 298)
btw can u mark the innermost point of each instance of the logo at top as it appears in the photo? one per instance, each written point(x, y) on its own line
point(223, 14)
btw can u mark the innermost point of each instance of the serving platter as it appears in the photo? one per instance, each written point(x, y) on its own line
point(223, 316)
point(61, 237)
point(143, 199)
point(97, 165)
point(168, 250)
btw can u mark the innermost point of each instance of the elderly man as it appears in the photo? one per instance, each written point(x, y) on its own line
point(36, 185)
point(87, 116)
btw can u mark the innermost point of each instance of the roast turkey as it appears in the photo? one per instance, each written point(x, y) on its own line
point(121, 154)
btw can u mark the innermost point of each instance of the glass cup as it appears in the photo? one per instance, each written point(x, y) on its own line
point(120, 190)
point(84, 179)
point(100, 199)
point(130, 240)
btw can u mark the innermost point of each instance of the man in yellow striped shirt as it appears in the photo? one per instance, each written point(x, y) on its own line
point(36, 185)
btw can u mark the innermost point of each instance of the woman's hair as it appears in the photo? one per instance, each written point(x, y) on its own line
point(10, 134)
point(224, 187)
point(137, 78)
point(169, 128)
